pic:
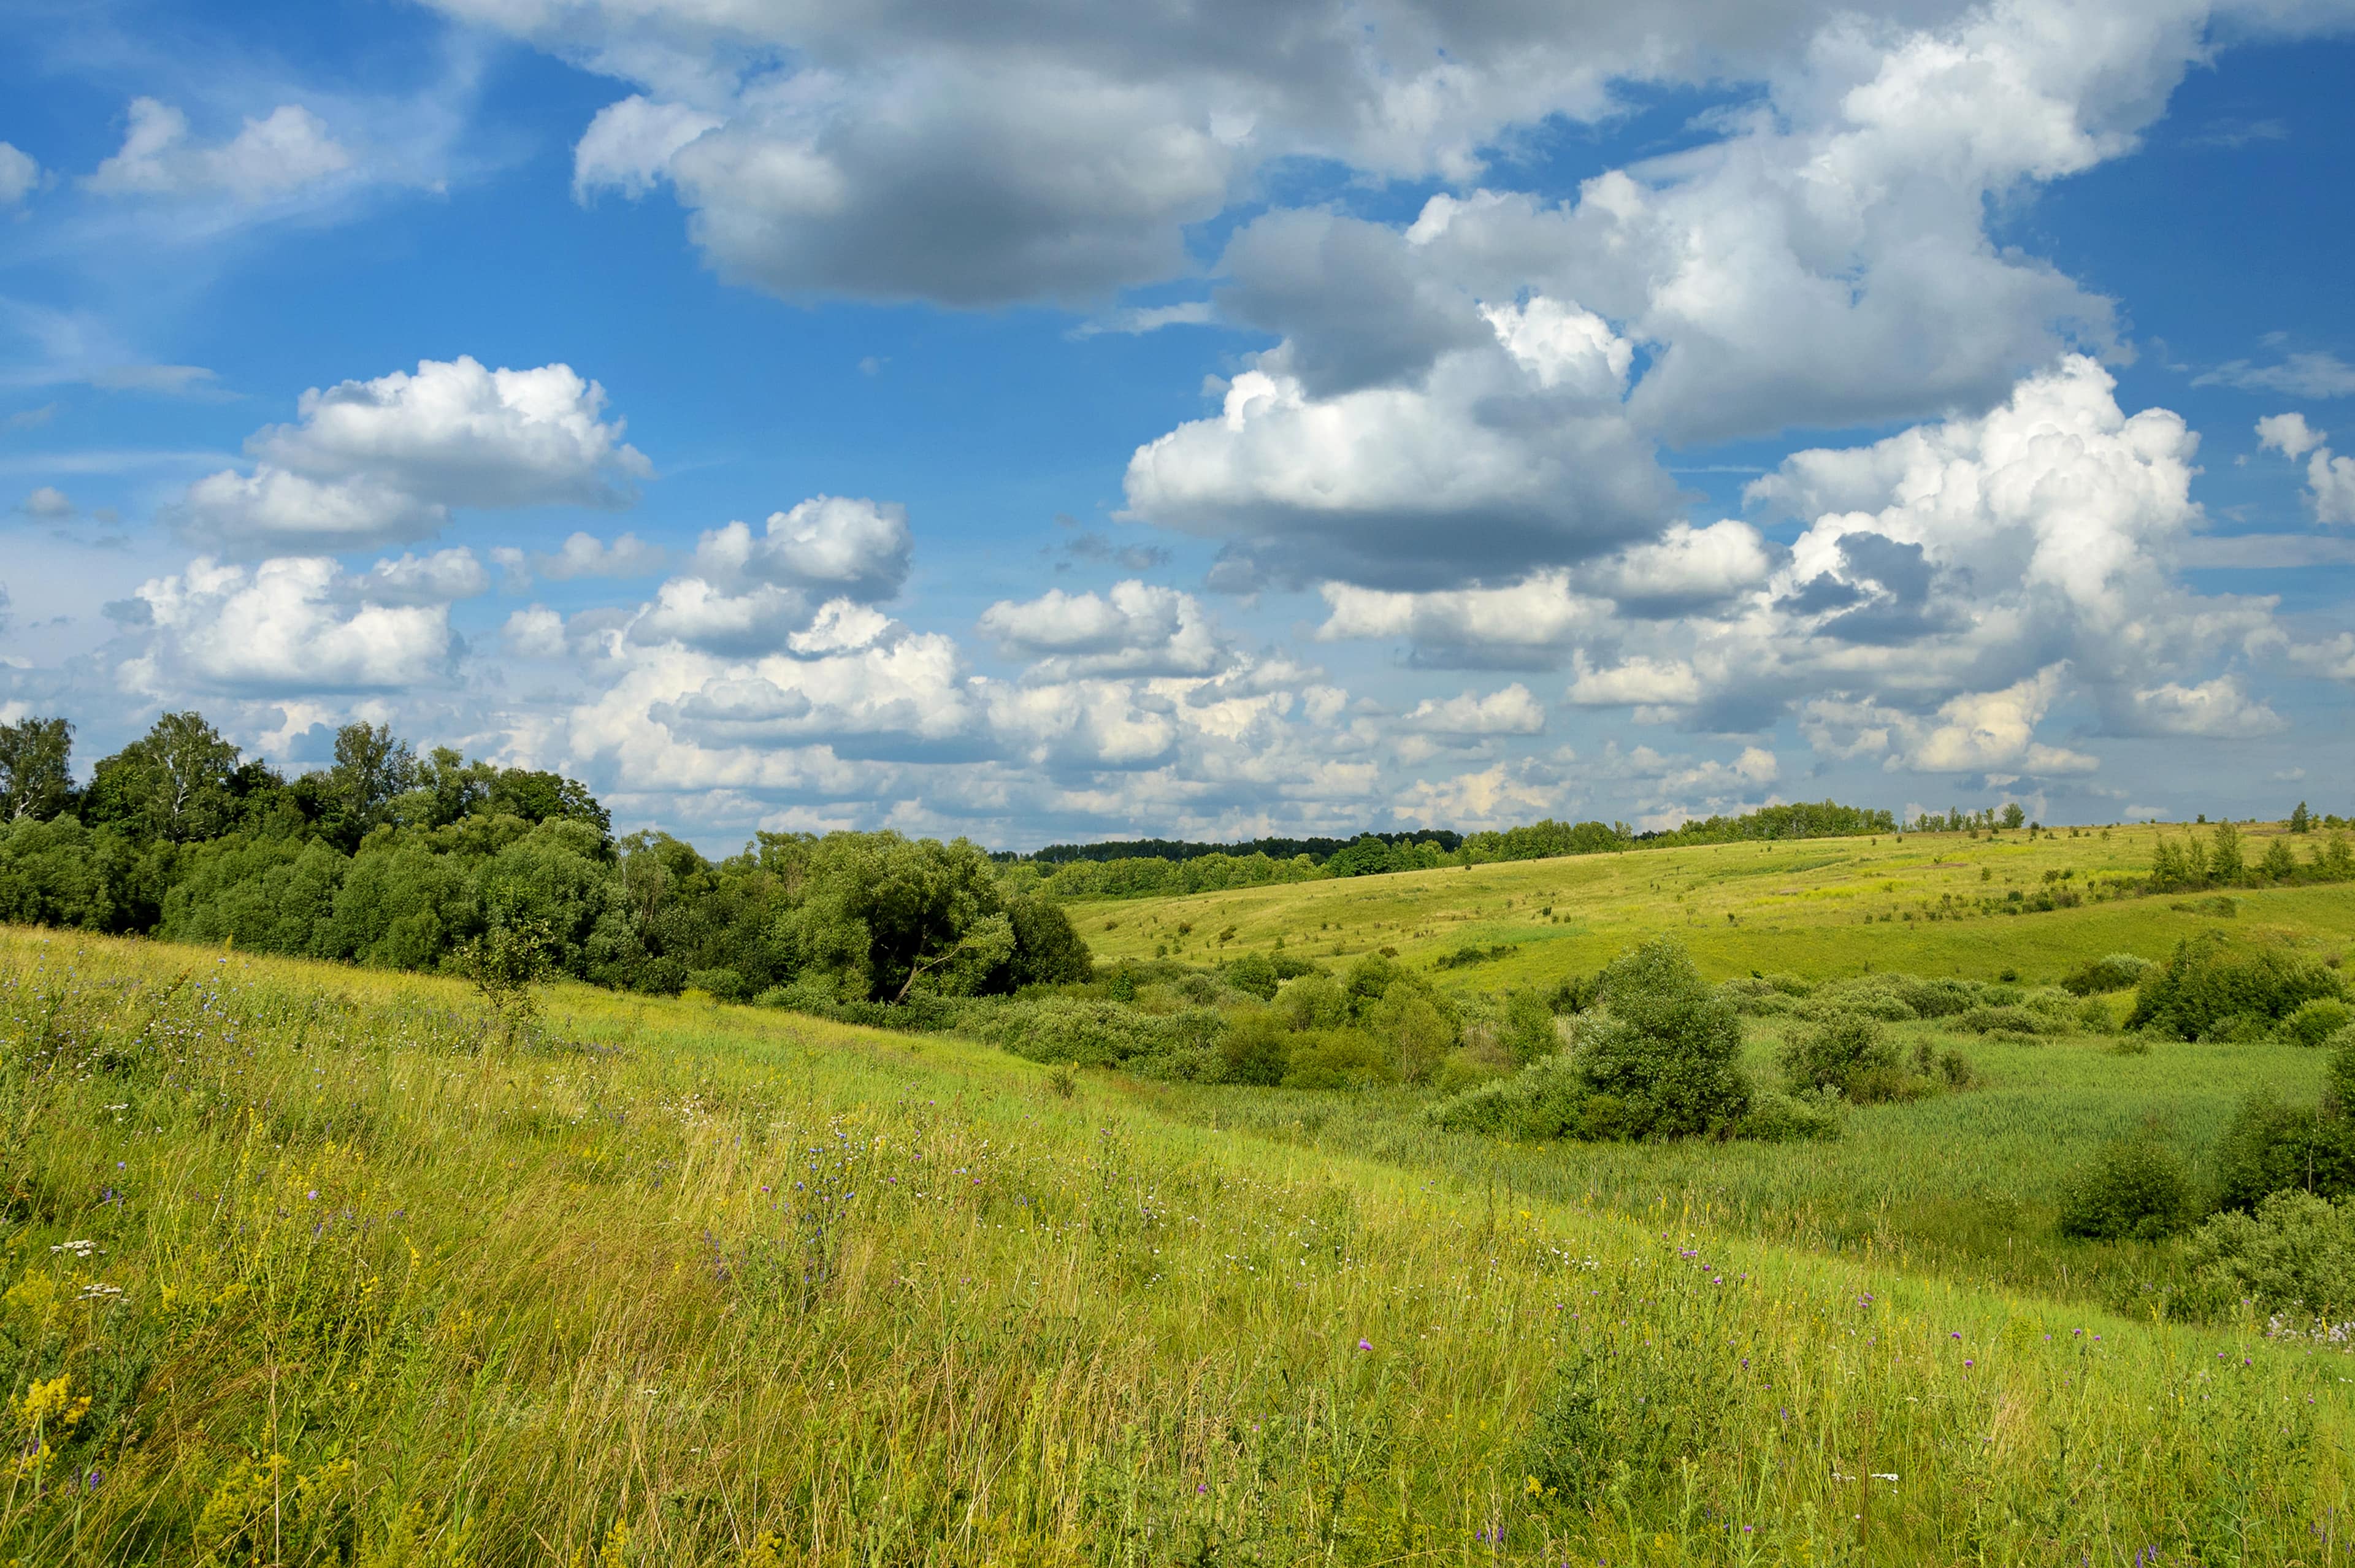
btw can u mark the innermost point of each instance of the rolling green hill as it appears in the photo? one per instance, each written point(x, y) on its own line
point(1814, 907)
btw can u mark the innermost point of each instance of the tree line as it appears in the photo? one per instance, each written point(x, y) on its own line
point(401, 861)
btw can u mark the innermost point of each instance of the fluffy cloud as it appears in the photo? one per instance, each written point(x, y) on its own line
point(629, 145)
point(801, 585)
point(282, 627)
point(1511, 453)
point(384, 461)
point(1510, 712)
point(979, 158)
point(2329, 479)
point(2289, 434)
point(47, 502)
point(1495, 797)
point(535, 633)
point(1980, 731)
point(1948, 579)
point(253, 514)
point(585, 555)
point(1133, 629)
point(19, 174)
point(1525, 626)
point(1451, 401)
point(441, 578)
point(269, 157)
point(835, 545)
point(1637, 681)
point(465, 436)
point(2221, 708)
point(1687, 569)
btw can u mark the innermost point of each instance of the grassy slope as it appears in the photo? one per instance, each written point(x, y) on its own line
point(716, 1284)
point(1799, 908)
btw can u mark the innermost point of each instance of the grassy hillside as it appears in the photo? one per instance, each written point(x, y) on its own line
point(298, 1267)
point(1813, 908)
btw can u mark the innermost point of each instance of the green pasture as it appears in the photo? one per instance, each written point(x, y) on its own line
point(1814, 907)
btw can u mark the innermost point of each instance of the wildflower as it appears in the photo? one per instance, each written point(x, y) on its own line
point(1364, 1344)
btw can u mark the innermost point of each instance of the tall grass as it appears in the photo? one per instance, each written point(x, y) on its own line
point(1967, 1185)
point(688, 1285)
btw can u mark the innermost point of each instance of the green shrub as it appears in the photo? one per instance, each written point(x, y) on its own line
point(1312, 1002)
point(1754, 996)
point(727, 985)
point(2338, 1077)
point(1254, 1048)
point(1367, 982)
point(1254, 974)
point(2114, 973)
point(2094, 1017)
point(1662, 1060)
point(1339, 1059)
point(1837, 1052)
point(1415, 1028)
point(1872, 1002)
point(2213, 989)
point(2315, 1023)
point(1935, 998)
point(1670, 1047)
point(1528, 1031)
point(1777, 1118)
point(1466, 1069)
point(2269, 1147)
point(2134, 1189)
point(2001, 1019)
point(2295, 1255)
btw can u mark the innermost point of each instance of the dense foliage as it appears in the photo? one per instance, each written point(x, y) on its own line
point(397, 861)
point(2211, 988)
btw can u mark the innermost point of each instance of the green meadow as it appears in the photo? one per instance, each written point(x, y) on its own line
point(1814, 908)
point(308, 1263)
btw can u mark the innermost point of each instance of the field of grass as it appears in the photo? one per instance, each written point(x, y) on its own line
point(300, 1266)
point(1814, 908)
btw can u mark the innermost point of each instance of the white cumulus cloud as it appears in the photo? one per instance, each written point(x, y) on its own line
point(283, 626)
point(280, 152)
point(1134, 628)
point(384, 461)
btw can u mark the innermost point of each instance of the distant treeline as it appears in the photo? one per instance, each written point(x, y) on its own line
point(1156, 877)
point(1319, 850)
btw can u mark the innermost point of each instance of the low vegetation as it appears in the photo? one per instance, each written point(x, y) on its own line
point(310, 1264)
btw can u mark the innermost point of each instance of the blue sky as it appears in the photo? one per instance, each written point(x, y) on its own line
point(1038, 421)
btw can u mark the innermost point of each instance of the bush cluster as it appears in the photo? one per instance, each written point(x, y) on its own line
point(2211, 988)
point(2293, 1255)
point(2117, 972)
point(2135, 1189)
point(1661, 1058)
point(1850, 1055)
